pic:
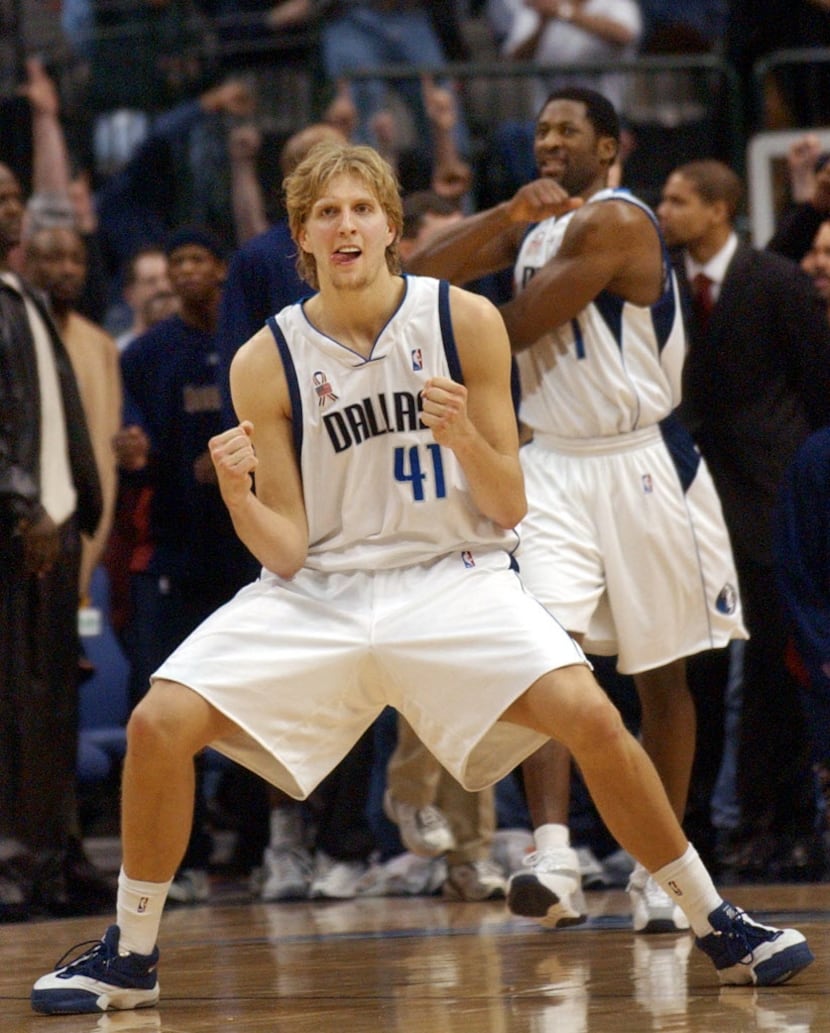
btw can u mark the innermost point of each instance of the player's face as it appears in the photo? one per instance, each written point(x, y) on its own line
point(566, 146)
point(11, 210)
point(816, 263)
point(347, 231)
point(685, 217)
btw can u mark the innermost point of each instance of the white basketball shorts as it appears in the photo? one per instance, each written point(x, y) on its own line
point(625, 543)
point(303, 667)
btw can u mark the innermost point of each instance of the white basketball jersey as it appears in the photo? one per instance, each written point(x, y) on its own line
point(612, 369)
point(379, 491)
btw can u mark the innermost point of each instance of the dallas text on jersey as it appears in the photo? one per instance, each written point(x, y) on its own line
point(372, 417)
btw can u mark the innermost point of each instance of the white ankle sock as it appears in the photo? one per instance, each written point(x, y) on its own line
point(687, 882)
point(138, 913)
point(551, 836)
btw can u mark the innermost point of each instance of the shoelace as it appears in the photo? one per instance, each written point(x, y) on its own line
point(93, 948)
point(748, 935)
point(551, 861)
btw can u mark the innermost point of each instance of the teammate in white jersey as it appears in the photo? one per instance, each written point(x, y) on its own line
point(384, 534)
point(624, 540)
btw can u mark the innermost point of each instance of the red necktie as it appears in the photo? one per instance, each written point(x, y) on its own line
point(703, 300)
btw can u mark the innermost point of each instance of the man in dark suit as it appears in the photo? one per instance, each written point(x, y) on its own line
point(50, 492)
point(756, 382)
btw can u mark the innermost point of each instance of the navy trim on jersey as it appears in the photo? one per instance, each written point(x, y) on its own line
point(663, 311)
point(681, 448)
point(293, 385)
point(447, 334)
point(610, 307)
point(664, 314)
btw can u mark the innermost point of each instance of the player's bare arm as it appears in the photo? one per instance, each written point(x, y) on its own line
point(476, 419)
point(612, 245)
point(488, 241)
point(271, 523)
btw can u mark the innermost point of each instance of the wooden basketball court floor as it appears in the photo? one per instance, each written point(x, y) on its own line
point(423, 965)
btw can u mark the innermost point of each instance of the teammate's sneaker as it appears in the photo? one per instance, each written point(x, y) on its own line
point(98, 979)
point(652, 909)
point(424, 831)
point(286, 873)
point(190, 886)
point(549, 888)
point(746, 952)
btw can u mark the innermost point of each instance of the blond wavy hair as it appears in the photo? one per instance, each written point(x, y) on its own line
point(308, 181)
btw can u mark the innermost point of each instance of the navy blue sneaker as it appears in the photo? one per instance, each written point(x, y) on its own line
point(745, 952)
point(99, 979)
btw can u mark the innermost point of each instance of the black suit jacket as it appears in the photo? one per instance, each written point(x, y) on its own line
point(755, 385)
point(20, 420)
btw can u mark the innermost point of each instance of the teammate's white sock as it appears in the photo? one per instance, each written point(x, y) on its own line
point(687, 882)
point(138, 913)
point(551, 836)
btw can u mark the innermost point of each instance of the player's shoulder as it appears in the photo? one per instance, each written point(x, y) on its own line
point(616, 205)
point(616, 218)
point(469, 305)
point(258, 353)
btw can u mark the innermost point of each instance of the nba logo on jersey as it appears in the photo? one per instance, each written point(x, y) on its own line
point(417, 359)
point(467, 557)
point(648, 484)
point(323, 388)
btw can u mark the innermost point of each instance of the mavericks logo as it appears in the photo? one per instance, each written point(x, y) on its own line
point(727, 600)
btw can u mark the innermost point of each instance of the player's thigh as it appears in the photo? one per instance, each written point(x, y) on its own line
point(559, 556)
point(569, 705)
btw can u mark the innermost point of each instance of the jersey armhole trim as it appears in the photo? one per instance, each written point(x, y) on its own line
point(447, 334)
point(292, 382)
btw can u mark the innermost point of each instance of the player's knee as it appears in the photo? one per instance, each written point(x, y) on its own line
point(598, 726)
point(165, 722)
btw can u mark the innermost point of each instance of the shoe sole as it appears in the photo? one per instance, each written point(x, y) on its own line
point(528, 897)
point(775, 970)
point(82, 1002)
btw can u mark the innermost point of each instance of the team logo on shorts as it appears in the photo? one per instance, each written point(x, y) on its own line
point(417, 359)
point(467, 557)
point(727, 600)
point(648, 484)
point(323, 388)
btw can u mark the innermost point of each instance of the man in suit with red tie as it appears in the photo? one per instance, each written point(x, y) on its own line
point(756, 382)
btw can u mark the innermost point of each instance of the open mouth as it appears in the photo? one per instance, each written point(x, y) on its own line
point(344, 255)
